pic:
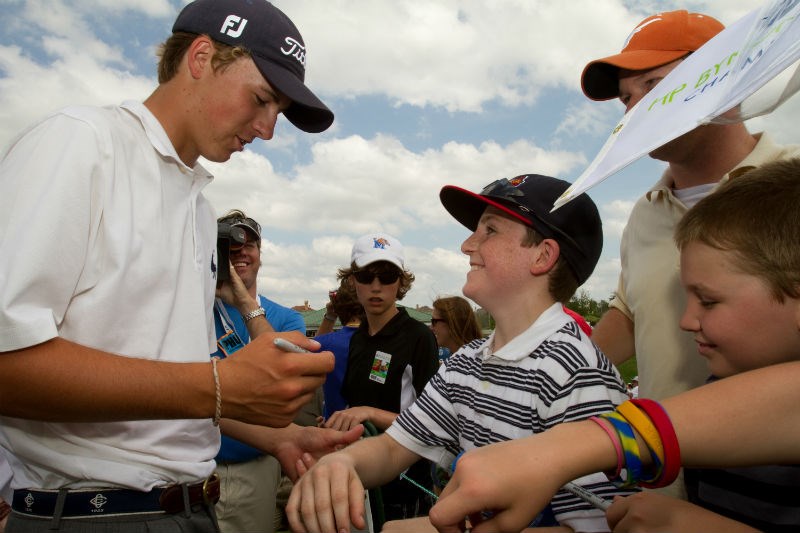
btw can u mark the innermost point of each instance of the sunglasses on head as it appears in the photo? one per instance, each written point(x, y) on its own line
point(503, 188)
point(246, 221)
point(435, 321)
point(386, 277)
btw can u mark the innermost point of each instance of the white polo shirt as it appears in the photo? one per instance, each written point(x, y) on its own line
point(106, 240)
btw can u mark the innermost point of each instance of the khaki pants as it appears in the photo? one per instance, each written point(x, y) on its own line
point(247, 495)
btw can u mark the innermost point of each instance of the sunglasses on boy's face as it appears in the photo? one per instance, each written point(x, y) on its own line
point(386, 277)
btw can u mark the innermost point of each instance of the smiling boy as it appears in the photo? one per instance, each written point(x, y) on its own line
point(536, 370)
point(740, 268)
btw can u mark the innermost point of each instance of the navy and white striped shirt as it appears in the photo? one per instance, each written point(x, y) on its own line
point(549, 374)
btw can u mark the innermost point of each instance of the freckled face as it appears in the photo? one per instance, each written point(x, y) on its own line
point(499, 264)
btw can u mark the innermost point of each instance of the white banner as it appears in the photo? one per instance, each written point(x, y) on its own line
point(716, 78)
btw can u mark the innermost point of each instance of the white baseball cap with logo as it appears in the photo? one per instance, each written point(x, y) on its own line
point(378, 247)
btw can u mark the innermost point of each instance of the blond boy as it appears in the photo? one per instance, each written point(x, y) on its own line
point(740, 267)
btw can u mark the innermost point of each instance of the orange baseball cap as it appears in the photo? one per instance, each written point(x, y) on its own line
point(655, 41)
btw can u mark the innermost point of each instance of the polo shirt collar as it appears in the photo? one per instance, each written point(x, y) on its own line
point(391, 328)
point(524, 344)
point(158, 136)
point(764, 150)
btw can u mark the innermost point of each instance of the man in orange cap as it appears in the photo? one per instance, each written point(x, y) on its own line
point(644, 314)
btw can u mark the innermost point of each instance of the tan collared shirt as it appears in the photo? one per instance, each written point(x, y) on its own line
point(649, 291)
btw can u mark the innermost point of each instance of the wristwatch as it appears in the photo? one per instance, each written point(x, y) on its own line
point(258, 311)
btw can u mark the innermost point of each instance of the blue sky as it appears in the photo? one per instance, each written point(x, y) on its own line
point(425, 92)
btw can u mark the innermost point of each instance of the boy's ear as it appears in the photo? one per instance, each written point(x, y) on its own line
point(545, 258)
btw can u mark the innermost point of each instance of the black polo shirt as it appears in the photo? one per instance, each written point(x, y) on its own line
point(376, 364)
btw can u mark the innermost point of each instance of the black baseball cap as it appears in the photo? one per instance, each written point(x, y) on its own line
point(529, 198)
point(275, 44)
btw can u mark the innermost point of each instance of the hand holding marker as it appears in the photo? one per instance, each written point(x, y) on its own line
point(288, 346)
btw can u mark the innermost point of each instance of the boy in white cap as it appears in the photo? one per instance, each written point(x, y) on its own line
point(108, 271)
point(536, 370)
point(391, 359)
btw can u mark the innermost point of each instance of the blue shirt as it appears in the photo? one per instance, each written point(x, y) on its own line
point(282, 319)
point(337, 342)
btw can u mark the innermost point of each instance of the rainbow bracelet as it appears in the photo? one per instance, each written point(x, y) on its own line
point(630, 448)
point(642, 424)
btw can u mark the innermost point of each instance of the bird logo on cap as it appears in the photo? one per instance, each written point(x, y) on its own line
point(516, 182)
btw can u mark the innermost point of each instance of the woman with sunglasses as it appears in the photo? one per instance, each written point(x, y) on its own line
point(391, 358)
point(454, 324)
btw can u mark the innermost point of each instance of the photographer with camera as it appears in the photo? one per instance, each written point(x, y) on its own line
point(249, 478)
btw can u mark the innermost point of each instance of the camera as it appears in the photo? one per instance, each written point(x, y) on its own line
point(226, 235)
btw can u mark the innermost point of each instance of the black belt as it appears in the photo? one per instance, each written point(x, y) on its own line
point(107, 502)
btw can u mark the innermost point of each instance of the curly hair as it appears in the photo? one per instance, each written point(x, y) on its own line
point(346, 304)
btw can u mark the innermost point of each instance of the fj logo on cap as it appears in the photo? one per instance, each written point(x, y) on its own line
point(233, 26)
point(296, 50)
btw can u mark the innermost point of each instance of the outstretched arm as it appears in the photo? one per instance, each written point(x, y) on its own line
point(290, 443)
point(716, 425)
point(59, 380)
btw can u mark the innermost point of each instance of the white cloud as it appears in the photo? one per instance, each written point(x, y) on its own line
point(458, 55)
point(358, 185)
point(603, 282)
point(615, 215)
point(453, 54)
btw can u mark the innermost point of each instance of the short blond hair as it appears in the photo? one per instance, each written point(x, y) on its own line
point(754, 216)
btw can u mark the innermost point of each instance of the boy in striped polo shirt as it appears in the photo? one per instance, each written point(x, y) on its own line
point(536, 370)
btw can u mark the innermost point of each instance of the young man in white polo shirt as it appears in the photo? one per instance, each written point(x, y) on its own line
point(107, 279)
